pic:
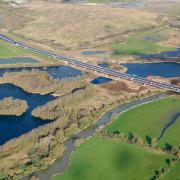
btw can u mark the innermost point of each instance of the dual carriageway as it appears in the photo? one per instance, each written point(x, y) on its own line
point(94, 67)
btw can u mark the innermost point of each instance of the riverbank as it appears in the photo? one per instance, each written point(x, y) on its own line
point(86, 157)
point(47, 143)
point(61, 164)
point(12, 107)
point(146, 124)
point(118, 160)
point(44, 143)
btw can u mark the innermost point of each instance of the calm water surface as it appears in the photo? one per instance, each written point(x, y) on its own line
point(93, 52)
point(61, 164)
point(170, 123)
point(16, 60)
point(58, 72)
point(163, 69)
point(12, 126)
point(163, 55)
point(101, 80)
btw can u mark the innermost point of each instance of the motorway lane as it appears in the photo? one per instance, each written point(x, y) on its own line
point(95, 67)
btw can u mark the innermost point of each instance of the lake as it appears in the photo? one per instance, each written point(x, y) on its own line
point(163, 69)
point(12, 126)
point(93, 52)
point(61, 164)
point(57, 72)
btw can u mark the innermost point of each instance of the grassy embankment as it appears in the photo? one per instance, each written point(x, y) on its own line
point(108, 159)
point(38, 148)
point(79, 111)
point(112, 158)
point(11, 106)
point(149, 120)
point(144, 42)
point(174, 174)
point(9, 51)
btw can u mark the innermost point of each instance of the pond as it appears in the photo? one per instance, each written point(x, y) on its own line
point(131, 5)
point(163, 55)
point(16, 60)
point(58, 72)
point(163, 69)
point(100, 80)
point(93, 52)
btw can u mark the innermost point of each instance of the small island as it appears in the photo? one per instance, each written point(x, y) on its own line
point(11, 106)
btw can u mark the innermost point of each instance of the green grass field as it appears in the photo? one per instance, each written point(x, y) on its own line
point(9, 51)
point(140, 43)
point(108, 159)
point(174, 174)
point(149, 119)
point(172, 134)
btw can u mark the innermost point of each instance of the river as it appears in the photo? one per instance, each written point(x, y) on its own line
point(61, 164)
point(12, 126)
point(171, 122)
